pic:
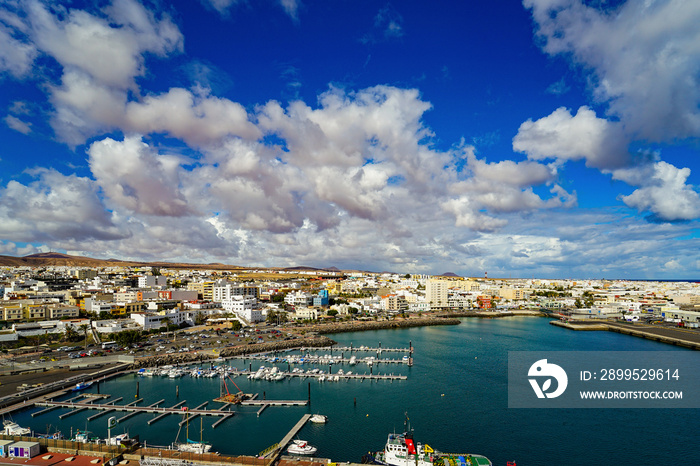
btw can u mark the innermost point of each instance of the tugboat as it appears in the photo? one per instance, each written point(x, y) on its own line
point(402, 450)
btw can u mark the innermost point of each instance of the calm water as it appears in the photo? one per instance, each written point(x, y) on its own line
point(455, 396)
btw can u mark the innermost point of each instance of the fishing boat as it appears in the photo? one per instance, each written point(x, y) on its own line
point(301, 447)
point(402, 450)
point(12, 428)
point(51, 436)
point(319, 419)
point(83, 436)
point(82, 386)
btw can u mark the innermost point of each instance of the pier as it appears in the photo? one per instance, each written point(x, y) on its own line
point(160, 412)
point(130, 409)
point(275, 451)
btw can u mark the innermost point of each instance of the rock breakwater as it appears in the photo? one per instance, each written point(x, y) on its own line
point(192, 358)
point(359, 326)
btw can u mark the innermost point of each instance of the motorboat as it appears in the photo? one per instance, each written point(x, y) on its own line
point(118, 439)
point(301, 447)
point(319, 419)
point(12, 428)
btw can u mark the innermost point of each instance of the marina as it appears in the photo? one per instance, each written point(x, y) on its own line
point(460, 376)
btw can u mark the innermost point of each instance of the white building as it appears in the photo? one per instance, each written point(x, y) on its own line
point(244, 307)
point(114, 325)
point(306, 313)
point(223, 292)
point(299, 299)
point(149, 320)
point(149, 281)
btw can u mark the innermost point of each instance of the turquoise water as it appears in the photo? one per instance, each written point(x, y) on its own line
point(455, 396)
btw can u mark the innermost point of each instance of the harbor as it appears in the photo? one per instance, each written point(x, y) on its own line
point(460, 374)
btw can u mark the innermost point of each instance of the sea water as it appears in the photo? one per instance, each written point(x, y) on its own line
point(455, 398)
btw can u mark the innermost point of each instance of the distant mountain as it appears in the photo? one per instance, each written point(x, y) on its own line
point(57, 259)
point(47, 259)
point(304, 268)
point(449, 274)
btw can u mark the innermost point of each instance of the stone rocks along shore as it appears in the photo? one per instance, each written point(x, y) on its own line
point(359, 326)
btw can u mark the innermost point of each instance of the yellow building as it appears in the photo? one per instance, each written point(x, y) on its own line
point(12, 313)
point(34, 312)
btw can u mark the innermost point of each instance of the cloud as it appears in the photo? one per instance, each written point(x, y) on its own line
point(562, 136)
point(134, 177)
point(664, 192)
point(643, 62)
point(54, 207)
point(16, 56)
point(389, 21)
point(291, 7)
point(197, 118)
point(558, 88)
point(85, 108)
point(643, 57)
point(359, 165)
point(388, 24)
point(17, 124)
point(108, 47)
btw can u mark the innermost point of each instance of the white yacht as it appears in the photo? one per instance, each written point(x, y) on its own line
point(12, 428)
point(301, 447)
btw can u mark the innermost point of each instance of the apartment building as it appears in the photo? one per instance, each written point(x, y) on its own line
point(245, 307)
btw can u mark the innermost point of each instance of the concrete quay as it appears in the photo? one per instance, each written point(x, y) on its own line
point(672, 336)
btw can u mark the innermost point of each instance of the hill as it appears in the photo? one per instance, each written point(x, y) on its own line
point(56, 259)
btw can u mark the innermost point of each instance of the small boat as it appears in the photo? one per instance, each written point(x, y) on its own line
point(51, 436)
point(82, 386)
point(319, 419)
point(118, 439)
point(301, 447)
point(12, 428)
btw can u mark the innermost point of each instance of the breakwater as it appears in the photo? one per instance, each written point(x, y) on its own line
point(191, 358)
point(495, 314)
point(359, 326)
point(671, 336)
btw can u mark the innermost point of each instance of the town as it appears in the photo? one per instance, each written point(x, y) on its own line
point(45, 308)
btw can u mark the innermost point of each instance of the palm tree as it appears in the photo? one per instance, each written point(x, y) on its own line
point(70, 333)
point(84, 328)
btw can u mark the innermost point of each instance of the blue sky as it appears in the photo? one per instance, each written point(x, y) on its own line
point(548, 138)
